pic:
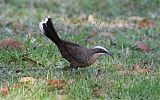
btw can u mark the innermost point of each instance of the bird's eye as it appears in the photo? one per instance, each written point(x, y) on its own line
point(103, 51)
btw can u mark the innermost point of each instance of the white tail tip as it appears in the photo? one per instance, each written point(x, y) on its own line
point(43, 22)
point(41, 25)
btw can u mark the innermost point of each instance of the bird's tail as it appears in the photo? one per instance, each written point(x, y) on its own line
point(47, 28)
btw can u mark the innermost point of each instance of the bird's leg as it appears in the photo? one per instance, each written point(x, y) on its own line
point(72, 67)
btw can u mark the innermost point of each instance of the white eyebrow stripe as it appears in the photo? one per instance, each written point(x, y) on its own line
point(100, 47)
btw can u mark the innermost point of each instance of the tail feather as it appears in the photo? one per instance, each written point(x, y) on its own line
point(50, 25)
point(48, 29)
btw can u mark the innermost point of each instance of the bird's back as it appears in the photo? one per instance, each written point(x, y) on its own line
point(77, 55)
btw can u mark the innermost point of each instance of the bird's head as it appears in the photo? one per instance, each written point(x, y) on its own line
point(99, 50)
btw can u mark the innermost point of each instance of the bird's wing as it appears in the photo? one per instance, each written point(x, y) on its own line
point(77, 52)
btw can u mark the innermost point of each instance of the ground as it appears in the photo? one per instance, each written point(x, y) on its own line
point(118, 25)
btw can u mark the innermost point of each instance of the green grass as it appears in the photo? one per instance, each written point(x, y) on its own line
point(21, 17)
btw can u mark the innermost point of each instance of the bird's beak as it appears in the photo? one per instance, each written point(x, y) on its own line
point(109, 53)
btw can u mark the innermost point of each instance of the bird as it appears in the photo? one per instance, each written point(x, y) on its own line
point(78, 56)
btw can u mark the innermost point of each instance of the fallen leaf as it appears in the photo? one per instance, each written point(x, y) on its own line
point(27, 79)
point(56, 83)
point(146, 23)
point(138, 69)
point(10, 44)
point(142, 71)
point(4, 91)
point(22, 82)
point(135, 69)
point(59, 83)
point(142, 46)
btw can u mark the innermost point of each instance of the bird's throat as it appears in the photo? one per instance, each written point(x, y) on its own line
point(94, 58)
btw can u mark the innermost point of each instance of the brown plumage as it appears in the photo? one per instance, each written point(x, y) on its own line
point(77, 55)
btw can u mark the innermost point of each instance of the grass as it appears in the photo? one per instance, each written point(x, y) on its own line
point(20, 17)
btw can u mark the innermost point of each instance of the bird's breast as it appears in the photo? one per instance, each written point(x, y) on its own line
point(93, 58)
